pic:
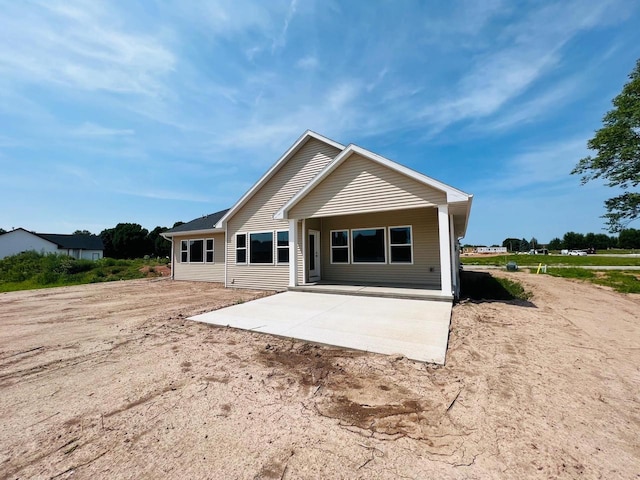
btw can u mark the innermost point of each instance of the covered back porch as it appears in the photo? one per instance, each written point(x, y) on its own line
point(369, 223)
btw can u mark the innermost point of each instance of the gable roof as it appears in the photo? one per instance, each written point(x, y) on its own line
point(78, 241)
point(201, 224)
point(304, 138)
point(453, 194)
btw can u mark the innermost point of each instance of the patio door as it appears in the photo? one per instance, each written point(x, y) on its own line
point(314, 256)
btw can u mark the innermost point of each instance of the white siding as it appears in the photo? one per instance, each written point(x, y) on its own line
point(363, 185)
point(18, 241)
point(425, 269)
point(205, 272)
point(257, 214)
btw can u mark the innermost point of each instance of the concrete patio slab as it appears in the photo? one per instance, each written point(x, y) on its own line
point(417, 329)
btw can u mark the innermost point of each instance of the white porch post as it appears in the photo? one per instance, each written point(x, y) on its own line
point(293, 258)
point(445, 249)
point(455, 267)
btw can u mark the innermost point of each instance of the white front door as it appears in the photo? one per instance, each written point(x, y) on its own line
point(314, 256)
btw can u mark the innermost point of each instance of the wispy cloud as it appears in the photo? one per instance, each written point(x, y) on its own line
point(80, 45)
point(308, 62)
point(89, 129)
point(545, 165)
point(531, 48)
point(281, 39)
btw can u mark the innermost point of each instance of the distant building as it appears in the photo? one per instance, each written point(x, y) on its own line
point(16, 241)
point(491, 249)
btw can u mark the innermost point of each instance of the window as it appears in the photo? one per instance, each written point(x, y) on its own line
point(400, 246)
point(184, 251)
point(261, 247)
point(196, 251)
point(208, 250)
point(368, 245)
point(241, 248)
point(340, 246)
point(283, 246)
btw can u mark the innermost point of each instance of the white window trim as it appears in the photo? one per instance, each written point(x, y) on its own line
point(186, 242)
point(245, 248)
point(347, 246)
point(276, 247)
point(213, 250)
point(249, 262)
point(410, 227)
point(384, 233)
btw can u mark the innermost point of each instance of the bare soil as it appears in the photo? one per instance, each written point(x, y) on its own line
point(112, 381)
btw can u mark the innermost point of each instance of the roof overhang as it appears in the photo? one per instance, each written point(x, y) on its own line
point(453, 195)
point(187, 233)
point(304, 138)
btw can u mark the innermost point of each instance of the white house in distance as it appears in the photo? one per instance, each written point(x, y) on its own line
point(19, 240)
point(330, 213)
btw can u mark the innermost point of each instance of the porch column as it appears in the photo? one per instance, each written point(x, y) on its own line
point(293, 258)
point(455, 267)
point(445, 249)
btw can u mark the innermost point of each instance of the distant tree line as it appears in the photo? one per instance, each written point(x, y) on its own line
point(131, 240)
point(628, 238)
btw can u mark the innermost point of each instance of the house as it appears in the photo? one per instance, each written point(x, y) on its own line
point(19, 240)
point(330, 213)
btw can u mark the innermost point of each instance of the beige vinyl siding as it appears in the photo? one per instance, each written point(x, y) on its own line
point(367, 186)
point(203, 272)
point(426, 252)
point(257, 214)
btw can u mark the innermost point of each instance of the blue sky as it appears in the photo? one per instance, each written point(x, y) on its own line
point(154, 112)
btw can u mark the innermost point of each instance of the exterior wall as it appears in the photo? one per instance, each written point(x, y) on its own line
point(425, 269)
point(18, 241)
point(257, 214)
point(203, 272)
point(370, 186)
point(80, 253)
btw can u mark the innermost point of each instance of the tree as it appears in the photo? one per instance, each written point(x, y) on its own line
point(2, 230)
point(161, 246)
point(82, 232)
point(107, 241)
point(533, 243)
point(573, 240)
point(629, 238)
point(555, 244)
point(617, 160)
point(524, 245)
point(126, 240)
point(512, 244)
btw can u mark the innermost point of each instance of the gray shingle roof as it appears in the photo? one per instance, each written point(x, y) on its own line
point(84, 242)
point(202, 223)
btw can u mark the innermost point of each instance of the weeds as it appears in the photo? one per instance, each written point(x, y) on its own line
point(31, 270)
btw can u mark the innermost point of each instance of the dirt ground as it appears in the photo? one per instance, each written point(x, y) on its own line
point(111, 381)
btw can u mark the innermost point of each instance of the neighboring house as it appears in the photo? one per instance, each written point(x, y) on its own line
point(78, 246)
point(325, 212)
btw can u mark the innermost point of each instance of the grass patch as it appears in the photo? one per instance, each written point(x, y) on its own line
point(32, 270)
point(484, 286)
point(568, 260)
point(620, 280)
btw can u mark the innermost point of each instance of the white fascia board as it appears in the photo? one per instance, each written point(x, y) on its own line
point(274, 168)
point(453, 194)
point(186, 233)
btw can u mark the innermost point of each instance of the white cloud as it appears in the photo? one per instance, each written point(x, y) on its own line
point(89, 129)
point(281, 40)
point(545, 166)
point(530, 49)
point(81, 46)
point(342, 94)
point(309, 62)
